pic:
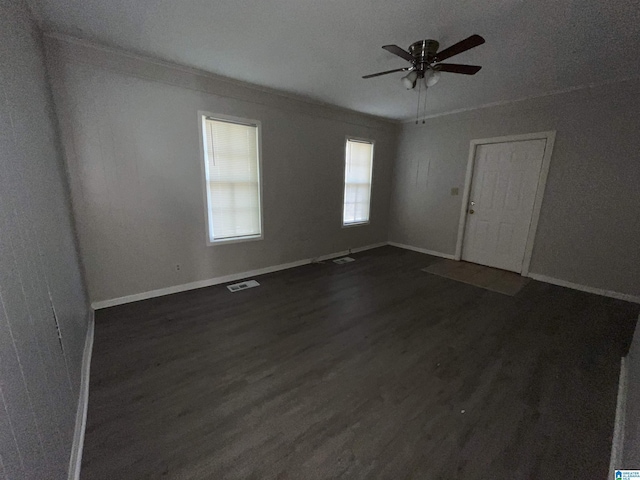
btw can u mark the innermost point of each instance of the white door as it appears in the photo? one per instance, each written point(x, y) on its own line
point(503, 190)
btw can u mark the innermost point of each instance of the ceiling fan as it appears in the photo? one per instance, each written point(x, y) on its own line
point(426, 60)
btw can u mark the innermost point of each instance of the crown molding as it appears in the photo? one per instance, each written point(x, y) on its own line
point(233, 84)
point(111, 50)
point(501, 103)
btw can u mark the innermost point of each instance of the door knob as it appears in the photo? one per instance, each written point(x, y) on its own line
point(472, 211)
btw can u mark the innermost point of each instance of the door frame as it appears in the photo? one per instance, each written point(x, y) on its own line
point(550, 137)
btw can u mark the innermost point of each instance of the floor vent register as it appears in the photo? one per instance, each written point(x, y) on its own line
point(236, 287)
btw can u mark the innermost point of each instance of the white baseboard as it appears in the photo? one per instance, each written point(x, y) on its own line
point(347, 252)
point(369, 247)
point(585, 288)
point(422, 250)
point(225, 279)
point(194, 285)
point(617, 446)
point(329, 256)
point(543, 278)
point(83, 402)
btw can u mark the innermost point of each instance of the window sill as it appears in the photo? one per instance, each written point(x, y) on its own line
point(358, 224)
point(227, 241)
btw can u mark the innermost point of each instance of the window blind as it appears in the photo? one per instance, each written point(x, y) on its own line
point(357, 182)
point(232, 179)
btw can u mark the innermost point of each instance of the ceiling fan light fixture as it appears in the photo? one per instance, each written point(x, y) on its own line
point(432, 78)
point(409, 81)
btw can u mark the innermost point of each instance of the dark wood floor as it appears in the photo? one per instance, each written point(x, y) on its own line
point(372, 369)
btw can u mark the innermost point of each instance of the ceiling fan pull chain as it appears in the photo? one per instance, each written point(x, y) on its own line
point(424, 109)
point(418, 106)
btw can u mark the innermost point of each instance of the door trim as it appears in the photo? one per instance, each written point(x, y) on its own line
point(550, 137)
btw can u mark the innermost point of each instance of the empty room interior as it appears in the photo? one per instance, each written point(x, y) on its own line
point(316, 240)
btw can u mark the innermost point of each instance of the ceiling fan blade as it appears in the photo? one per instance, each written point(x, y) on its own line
point(396, 50)
point(462, 46)
point(456, 68)
point(384, 73)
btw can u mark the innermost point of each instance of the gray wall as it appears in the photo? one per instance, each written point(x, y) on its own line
point(131, 141)
point(39, 268)
point(631, 448)
point(589, 228)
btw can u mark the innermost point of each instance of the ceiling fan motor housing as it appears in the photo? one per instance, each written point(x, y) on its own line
point(424, 57)
point(424, 53)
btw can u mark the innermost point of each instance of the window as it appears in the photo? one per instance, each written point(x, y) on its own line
point(232, 178)
point(357, 181)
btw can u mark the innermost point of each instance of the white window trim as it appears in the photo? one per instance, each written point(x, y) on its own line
point(344, 180)
point(202, 116)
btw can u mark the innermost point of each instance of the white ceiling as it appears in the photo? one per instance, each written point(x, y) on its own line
point(321, 48)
